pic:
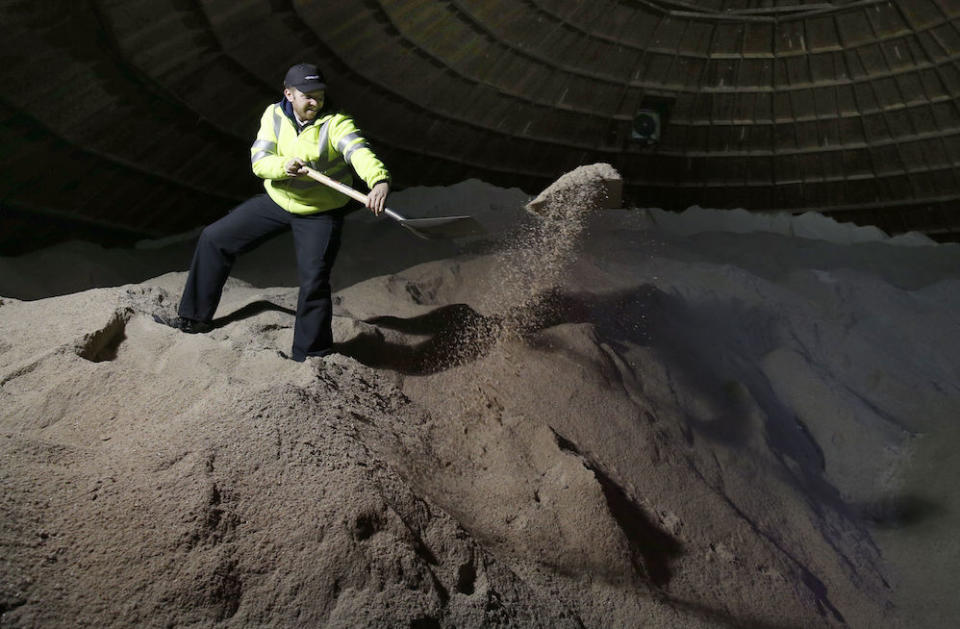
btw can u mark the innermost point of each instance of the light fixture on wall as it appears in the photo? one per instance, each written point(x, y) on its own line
point(646, 126)
point(651, 118)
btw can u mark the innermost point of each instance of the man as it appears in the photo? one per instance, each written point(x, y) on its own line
point(297, 132)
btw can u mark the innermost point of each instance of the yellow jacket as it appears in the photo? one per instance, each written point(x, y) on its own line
point(331, 145)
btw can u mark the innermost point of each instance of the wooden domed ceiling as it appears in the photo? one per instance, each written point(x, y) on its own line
point(132, 118)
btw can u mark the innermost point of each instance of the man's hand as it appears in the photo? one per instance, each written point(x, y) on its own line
point(377, 198)
point(295, 167)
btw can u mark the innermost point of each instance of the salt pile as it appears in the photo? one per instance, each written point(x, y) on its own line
point(605, 423)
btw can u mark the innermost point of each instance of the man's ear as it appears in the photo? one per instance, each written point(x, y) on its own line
point(288, 93)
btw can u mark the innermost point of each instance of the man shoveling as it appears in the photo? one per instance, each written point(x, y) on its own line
point(298, 134)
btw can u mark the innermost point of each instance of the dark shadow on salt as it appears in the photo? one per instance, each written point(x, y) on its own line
point(901, 511)
point(697, 345)
point(250, 310)
point(456, 334)
point(651, 548)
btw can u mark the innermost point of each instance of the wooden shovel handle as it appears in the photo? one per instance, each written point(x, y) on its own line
point(350, 192)
point(336, 185)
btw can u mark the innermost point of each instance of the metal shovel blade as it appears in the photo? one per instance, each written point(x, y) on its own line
point(428, 228)
point(439, 227)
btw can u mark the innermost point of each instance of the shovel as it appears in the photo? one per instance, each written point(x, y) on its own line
point(427, 228)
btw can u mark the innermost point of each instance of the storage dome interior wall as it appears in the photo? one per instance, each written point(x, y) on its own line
point(132, 119)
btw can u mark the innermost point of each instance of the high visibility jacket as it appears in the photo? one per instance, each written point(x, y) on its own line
point(331, 144)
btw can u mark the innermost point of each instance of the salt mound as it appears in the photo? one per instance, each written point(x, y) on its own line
point(157, 479)
point(595, 426)
point(810, 225)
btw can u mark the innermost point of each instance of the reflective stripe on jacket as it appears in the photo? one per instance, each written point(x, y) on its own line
point(331, 145)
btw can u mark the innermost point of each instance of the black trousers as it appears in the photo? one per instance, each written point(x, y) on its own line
point(316, 238)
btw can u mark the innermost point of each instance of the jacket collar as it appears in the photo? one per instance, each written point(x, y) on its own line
point(287, 108)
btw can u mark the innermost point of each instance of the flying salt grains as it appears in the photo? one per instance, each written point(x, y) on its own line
point(597, 186)
point(530, 268)
point(548, 247)
point(533, 260)
point(533, 265)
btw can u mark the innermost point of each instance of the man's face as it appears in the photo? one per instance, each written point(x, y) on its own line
point(305, 104)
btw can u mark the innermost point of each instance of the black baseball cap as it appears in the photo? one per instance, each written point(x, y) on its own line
point(306, 77)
